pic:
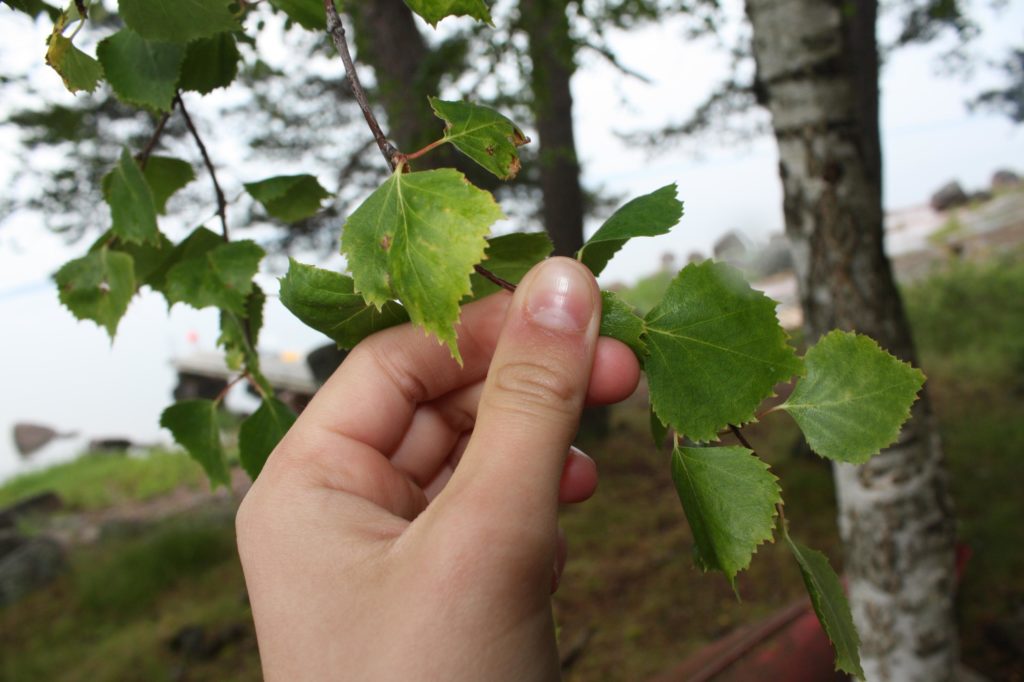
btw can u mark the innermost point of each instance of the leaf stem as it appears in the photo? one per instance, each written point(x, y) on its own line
point(253, 382)
point(221, 202)
point(337, 32)
point(433, 145)
point(227, 387)
point(494, 279)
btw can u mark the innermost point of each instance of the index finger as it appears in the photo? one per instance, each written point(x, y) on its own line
point(373, 395)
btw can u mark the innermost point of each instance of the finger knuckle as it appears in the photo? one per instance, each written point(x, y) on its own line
point(534, 386)
point(385, 357)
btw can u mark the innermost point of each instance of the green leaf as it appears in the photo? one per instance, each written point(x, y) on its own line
point(647, 216)
point(715, 351)
point(306, 13)
point(210, 63)
point(510, 257)
point(436, 10)
point(830, 604)
point(729, 497)
point(98, 287)
point(260, 433)
point(196, 245)
point(195, 427)
point(78, 70)
point(483, 135)
point(854, 398)
point(417, 238)
point(658, 429)
point(289, 197)
point(178, 21)
point(165, 176)
point(239, 335)
point(34, 8)
point(220, 277)
point(149, 259)
point(132, 208)
point(141, 72)
point(619, 321)
point(327, 302)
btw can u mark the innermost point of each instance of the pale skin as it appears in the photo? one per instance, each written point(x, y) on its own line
point(406, 527)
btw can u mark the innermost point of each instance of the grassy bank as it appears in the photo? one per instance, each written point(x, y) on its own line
point(115, 613)
point(100, 480)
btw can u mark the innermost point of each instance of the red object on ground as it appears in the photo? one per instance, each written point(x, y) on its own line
point(788, 646)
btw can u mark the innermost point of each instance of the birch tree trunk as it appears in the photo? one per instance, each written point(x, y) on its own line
point(817, 72)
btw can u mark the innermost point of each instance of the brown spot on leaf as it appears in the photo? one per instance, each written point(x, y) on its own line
point(489, 149)
point(518, 138)
point(385, 243)
point(513, 167)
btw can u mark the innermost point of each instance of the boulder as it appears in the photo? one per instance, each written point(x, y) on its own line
point(324, 360)
point(1004, 179)
point(30, 563)
point(949, 196)
point(41, 503)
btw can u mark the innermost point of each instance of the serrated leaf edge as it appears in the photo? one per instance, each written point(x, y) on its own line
point(738, 420)
point(758, 542)
point(905, 416)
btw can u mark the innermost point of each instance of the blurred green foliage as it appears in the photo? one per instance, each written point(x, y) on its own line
point(99, 480)
point(968, 319)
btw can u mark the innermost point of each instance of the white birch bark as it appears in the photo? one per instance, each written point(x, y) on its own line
point(818, 75)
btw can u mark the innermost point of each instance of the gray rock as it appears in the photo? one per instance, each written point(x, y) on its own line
point(1004, 179)
point(949, 196)
point(730, 248)
point(30, 565)
point(40, 503)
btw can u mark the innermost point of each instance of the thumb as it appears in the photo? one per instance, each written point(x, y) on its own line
point(530, 407)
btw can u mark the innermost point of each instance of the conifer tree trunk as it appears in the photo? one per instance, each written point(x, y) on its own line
point(381, 26)
point(552, 58)
point(817, 72)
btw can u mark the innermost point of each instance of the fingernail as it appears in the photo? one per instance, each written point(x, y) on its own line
point(559, 296)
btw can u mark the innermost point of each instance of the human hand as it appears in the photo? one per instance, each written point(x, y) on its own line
point(369, 555)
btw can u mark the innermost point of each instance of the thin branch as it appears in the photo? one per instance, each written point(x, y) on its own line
point(143, 156)
point(222, 204)
point(227, 387)
point(337, 32)
point(741, 438)
point(494, 279)
point(613, 60)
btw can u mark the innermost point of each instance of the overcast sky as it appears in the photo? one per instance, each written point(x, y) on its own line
point(57, 371)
